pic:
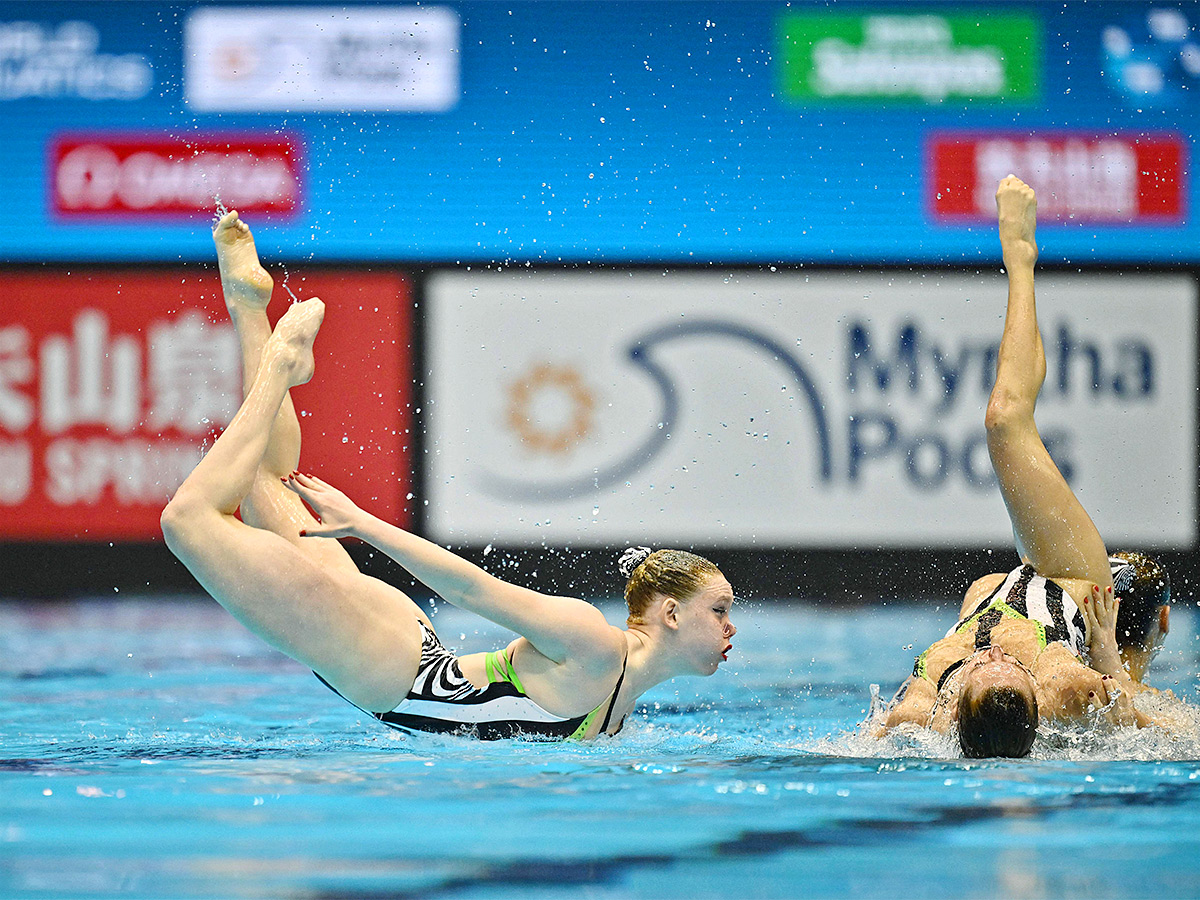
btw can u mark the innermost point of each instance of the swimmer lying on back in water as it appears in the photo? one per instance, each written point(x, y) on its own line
point(1022, 647)
point(281, 572)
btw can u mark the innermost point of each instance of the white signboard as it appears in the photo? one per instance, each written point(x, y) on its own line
point(313, 59)
point(820, 409)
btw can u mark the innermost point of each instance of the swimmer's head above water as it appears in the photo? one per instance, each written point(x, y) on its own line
point(997, 708)
point(686, 596)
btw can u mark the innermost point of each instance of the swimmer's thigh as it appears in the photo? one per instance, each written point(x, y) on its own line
point(273, 507)
point(358, 632)
point(1054, 532)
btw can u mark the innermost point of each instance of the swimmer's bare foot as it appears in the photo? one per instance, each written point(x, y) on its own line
point(290, 347)
point(243, 279)
point(1016, 207)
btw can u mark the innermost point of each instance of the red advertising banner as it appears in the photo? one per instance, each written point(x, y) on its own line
point(132, 175)
point(1111, 179)
point(113, 382)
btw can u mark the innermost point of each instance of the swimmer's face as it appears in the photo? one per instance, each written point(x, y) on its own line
point(705, 629)
point(992, 667)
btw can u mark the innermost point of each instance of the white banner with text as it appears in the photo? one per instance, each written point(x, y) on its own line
point(822, 409)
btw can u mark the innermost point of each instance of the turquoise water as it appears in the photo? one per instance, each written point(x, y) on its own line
point(153, 748)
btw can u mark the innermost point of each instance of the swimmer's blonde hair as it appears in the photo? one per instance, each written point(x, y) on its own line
point(664, 573)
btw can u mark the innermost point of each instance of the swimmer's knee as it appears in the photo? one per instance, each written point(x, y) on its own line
point(1005, 412)
point(181, 518)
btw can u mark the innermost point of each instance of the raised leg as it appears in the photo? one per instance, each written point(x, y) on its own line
point(358, 632)
point(247, 288)
point(1054, 532)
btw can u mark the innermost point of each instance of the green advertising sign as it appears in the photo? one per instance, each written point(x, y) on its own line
point(927, 57)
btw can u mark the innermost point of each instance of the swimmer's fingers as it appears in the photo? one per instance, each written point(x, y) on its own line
point(312, 481)
point(1122, 712)
point(336, 513)
point(1100, 612)
point(1089, 609)
point(1106, 610)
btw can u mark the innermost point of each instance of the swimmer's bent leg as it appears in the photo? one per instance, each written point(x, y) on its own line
point(247, 287)
point(359, 633)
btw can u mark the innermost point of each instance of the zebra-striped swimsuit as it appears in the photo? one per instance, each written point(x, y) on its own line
point(443, 700)
point(1024, 594)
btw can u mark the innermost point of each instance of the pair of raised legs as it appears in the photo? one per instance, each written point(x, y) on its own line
point(303, 595)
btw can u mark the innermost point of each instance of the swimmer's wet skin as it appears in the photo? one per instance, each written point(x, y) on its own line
point(1041, 642)
point(262, 539)
point(443, 701)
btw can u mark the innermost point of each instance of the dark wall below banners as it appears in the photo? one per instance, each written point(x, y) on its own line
point(759, 576)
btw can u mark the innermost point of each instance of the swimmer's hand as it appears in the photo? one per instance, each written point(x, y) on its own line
point(1117, 687)
point(337, 515)
point(1100, 611)
point(1016, 208)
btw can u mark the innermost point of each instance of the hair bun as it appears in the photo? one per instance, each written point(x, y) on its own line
point(631, 559)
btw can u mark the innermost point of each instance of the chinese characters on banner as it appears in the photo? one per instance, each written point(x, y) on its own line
point(112, 384)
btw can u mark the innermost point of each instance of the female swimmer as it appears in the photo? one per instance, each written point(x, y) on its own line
point(281, 572)
point(1020, 649)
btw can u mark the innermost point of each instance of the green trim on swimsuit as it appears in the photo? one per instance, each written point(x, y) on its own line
point(919, 668)
point(1006, 610)
point(500, 668)
point(578, 733)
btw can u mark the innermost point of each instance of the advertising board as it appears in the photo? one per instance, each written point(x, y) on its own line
point(112, 383)
point(125, 176)
point(820, 409)
point(1133, 179)
point(880, 56)
point(315, 58)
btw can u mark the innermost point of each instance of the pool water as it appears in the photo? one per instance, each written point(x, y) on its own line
point(154, 748)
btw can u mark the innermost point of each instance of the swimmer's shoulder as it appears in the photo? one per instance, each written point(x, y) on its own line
point(944, 653)
point(596, 658)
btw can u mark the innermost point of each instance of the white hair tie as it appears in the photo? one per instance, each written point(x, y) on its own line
point(631, 559)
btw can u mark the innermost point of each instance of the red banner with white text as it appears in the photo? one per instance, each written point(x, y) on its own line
point(113, 382)
point(118, 175)
point(1079, 177)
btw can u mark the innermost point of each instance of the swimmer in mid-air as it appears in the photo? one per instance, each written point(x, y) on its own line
point(281, 572)
point(1053, 639)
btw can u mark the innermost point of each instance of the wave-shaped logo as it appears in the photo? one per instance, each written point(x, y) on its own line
point(641, 354)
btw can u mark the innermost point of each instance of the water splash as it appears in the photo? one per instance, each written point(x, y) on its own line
point(286, 287)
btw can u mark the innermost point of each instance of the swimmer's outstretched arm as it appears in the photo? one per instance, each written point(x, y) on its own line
point(560, 628)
